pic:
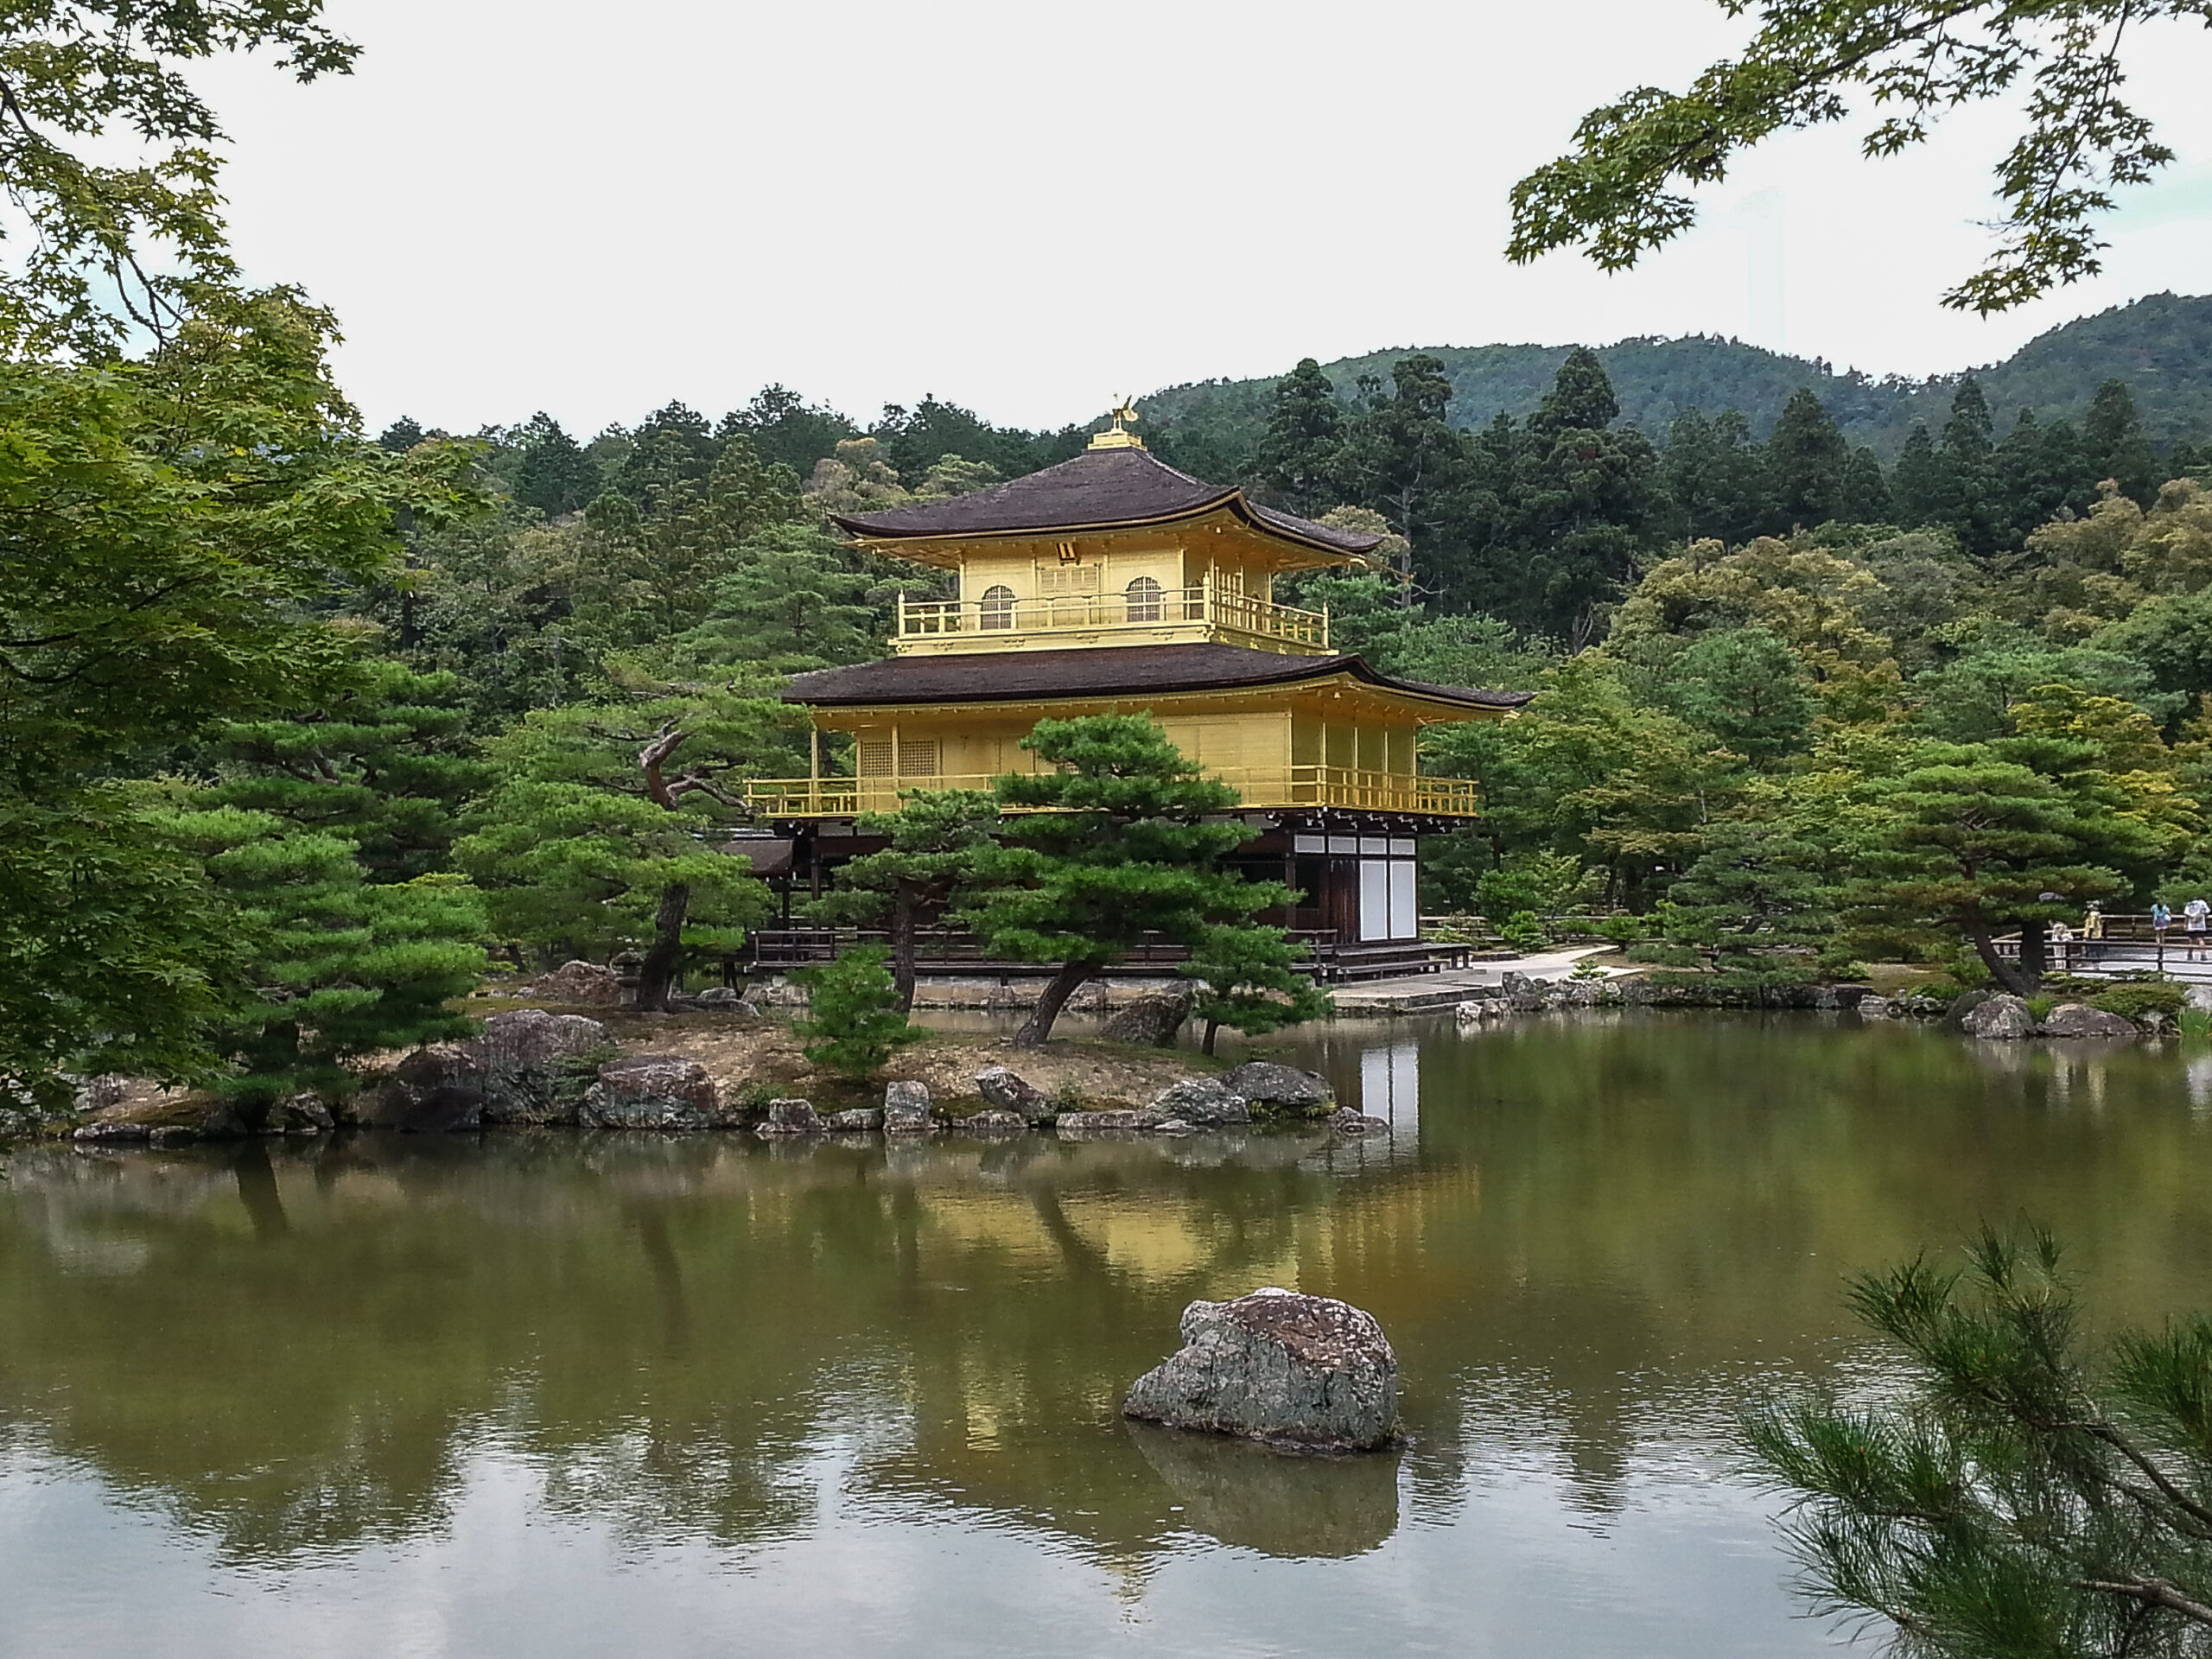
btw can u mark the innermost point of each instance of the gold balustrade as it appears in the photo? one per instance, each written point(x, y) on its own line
point(999, 621)
point(1349, 787)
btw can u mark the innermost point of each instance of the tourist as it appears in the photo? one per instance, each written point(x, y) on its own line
point(2092, 934)
point(2161, 920)
point(2194, 915)
point(2062, 943)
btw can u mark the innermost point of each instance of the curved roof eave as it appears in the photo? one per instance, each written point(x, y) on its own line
point(1235, 501)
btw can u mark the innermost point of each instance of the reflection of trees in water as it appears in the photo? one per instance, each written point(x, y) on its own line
point(314, 1338)
point(302, 1346)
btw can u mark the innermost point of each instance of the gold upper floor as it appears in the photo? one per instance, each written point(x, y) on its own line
point(1205, 579)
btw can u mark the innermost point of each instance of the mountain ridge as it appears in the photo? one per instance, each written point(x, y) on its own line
point(2161, 344)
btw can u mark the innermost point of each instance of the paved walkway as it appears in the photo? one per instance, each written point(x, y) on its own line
point(1414, 992)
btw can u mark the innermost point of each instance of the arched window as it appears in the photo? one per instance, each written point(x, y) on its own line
point(998, 606)
point(1144, 600)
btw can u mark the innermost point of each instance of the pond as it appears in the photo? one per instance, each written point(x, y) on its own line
point(557, 1394)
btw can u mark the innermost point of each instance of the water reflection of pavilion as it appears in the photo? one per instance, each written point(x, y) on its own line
point(1600, 1232)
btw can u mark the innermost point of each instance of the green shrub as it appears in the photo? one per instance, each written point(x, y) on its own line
point(1523, 931)
point(857, 1021)
point(2142, 997)
point(2072, 988)
point(1623, 929)
point(2196, 1024)
point(2040, 1007)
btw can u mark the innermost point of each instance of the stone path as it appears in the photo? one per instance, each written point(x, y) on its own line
point(1416, 992)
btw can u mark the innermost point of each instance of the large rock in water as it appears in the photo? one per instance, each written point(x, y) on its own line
point(1152, 1019)
point(433, 1089)
point(652, 1091)
point(907, 1107)
point(790, 1117)
point(2079, 1019)
point(1277, 1365)
point(1271, 1089)
point(522, 1052)
point(1955, 1011)
point(1009, 1092)
point(2000, 1016)
point(1203, 1102)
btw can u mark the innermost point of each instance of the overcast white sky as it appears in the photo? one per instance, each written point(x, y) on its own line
point(1026, 207)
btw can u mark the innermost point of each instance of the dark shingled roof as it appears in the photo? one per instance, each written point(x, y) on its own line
point(1104, 672)
point(1100, 489)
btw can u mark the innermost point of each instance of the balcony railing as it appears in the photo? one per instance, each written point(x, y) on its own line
point(1349, 787)
point(983, 620)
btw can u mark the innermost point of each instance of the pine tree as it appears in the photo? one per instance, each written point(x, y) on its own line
point(1248, 980)
point(673, 447)
point(1128, 843)
point(1401, 456)
point(1577, 505)
point(855, 1017)
point(789, 603)
point(1866, 498)
point(1716, 479)
point(1581, 397)
point(602, 831)
point(1298, 463)
point(1973, 506)
point(1755, 908)
point(2011, 1492)
point(2027, 493)
point(787, 429)
point(1743, 686)
point(381, 760)
point(2072, 478)
point(554, 475)
point(1969, 838)
point(939, 839)
point(2112, 435)
point(1919, 481)
point(401, 435)
point(1805, 458)
point(1968, 433)
point(341, 967)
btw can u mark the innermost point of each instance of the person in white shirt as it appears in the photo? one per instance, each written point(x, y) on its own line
point(2194, 916)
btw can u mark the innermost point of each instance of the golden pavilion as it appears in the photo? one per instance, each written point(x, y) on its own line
point(1114, 583)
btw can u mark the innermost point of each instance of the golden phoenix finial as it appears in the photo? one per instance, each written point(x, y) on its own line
point(1118, 436)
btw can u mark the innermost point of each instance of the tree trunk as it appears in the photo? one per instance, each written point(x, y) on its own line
point(658, 972)
point(2034, 958)
point(1999, 970)
point(903, 929)
point(1062, 986)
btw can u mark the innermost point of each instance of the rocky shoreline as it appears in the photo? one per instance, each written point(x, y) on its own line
point(725, 1062)
point(1987, 1014)
point(534, 1068)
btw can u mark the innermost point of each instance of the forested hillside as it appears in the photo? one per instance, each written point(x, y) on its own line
point(507, 689)
point(2160, 344)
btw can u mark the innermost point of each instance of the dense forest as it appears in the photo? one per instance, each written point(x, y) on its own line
point(2160, 345)
point(304, 724)
point(1736, 631)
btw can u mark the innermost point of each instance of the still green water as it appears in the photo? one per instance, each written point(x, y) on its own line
point(551, 1395)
